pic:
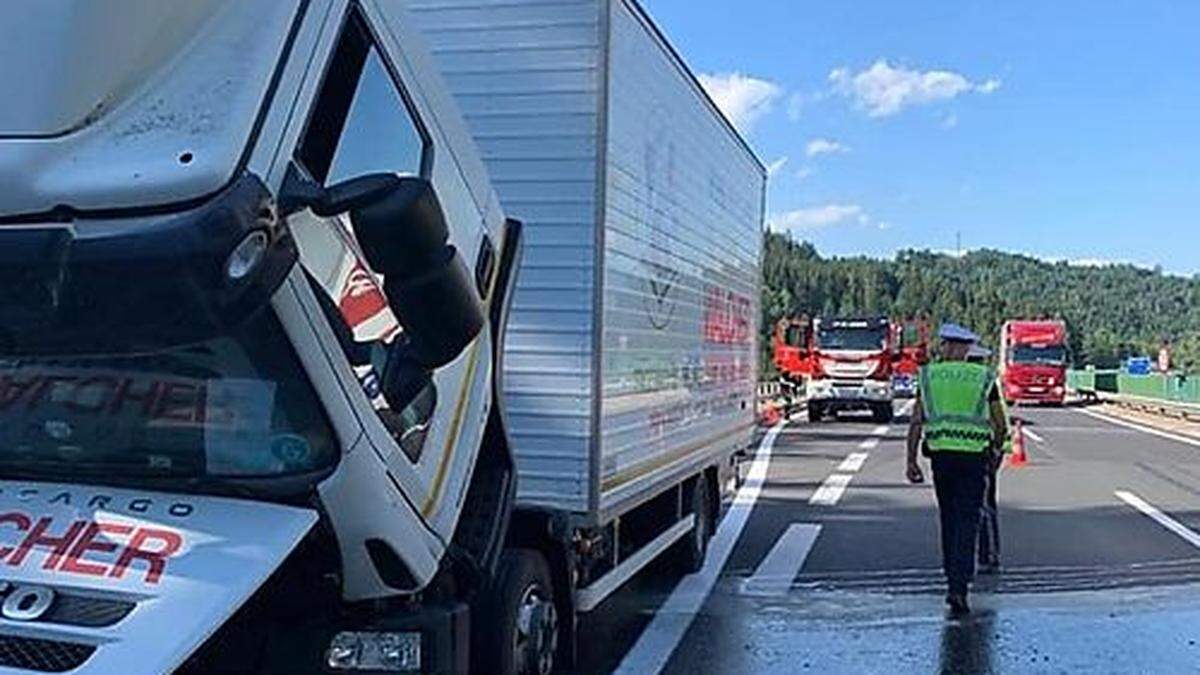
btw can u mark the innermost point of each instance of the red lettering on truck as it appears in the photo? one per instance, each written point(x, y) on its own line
point(75, 548)
point(168, 545)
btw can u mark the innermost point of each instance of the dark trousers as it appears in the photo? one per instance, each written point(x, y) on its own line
point(989, 521)
point(958, 480)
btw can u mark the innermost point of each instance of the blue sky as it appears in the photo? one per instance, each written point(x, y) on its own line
point(1066, 129)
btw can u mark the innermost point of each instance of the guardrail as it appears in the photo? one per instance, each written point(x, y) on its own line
point(1174, 394)
point(778, 398)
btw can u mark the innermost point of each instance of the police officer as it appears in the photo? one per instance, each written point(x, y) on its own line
point(959, 419)
point(989, 514)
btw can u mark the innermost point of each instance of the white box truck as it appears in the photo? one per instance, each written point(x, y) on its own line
point(257, 369)
point(631, 353)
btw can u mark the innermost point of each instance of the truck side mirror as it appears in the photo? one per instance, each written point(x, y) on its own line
point(404, 377)
point(401, 229)
point(403, 235)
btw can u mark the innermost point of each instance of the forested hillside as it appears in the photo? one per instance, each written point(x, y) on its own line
point(1112, 311)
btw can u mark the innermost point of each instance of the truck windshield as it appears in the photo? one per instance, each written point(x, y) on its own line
point(1053, 355)
point(852, 339)
point(235, 406)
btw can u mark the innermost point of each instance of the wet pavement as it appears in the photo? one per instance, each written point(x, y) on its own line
point(836, 569)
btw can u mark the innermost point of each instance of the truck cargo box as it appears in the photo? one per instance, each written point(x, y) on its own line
point(632, 346)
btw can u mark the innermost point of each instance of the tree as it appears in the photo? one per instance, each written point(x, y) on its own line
point(1112, 312)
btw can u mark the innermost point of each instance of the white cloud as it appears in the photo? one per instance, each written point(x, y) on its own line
point(742, 98)
point(804, 172)
point(814, 217)
point(776, 166)
point(795, 106)
point(950, 121)
point(884, 225)
point(883, 90)
point(824, 146)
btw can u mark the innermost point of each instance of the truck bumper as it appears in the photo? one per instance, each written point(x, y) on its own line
point(444, 631)
point(834, 396)
point(1021, 394)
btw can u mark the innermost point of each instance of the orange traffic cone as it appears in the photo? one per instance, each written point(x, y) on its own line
point(1018, 458)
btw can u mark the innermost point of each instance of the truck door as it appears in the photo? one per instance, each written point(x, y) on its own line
point(363, 122)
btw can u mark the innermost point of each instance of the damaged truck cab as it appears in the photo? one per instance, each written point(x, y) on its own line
point(253, 280)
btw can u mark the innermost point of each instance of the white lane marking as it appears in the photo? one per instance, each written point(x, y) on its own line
point(908, 407)
point(660, 638)
point(1138, 427)
point(774, 575)
point(853, 462)
point(1159, 517)
point(869, 444)
point(882, 430)
point(1034, 436)
point(831, 491)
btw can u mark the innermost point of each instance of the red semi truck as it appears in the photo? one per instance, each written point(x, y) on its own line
point(1033, 361)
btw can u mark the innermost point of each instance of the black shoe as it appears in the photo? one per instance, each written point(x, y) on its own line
point(958, 604)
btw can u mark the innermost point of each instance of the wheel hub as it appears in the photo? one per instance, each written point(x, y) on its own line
point(536, 638)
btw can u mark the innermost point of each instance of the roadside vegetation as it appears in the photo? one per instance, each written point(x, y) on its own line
point(1112, 311)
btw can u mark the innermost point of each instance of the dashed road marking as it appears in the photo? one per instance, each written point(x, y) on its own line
point(774, 575)
point(1033, 436)
point(670, 623)
point(869, 444)
point(831, 491)
point(854, 462)
point(882, 430)
point(1159, 517)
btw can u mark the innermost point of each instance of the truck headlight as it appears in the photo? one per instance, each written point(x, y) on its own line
point(386, 652)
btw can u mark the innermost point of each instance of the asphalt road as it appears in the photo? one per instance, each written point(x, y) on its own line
point(835, 568)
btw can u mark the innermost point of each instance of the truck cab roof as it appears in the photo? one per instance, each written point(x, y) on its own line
point(139, 103)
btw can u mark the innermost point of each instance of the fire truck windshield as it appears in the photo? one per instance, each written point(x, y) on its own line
point(1051, 355)
point(235, 407)
point(863, 339)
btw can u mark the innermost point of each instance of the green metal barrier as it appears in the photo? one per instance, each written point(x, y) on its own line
point(1186, 388)
point(1091, 381)
point(1083, 381)
point(1176, 388)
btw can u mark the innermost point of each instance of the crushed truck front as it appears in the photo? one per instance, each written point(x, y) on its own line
point(226, 428)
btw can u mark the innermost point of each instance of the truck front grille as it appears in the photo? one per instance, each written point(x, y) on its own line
point(77, 610)
point(43, 656)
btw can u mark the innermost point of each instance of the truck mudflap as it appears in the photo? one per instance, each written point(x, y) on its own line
point(102, 580)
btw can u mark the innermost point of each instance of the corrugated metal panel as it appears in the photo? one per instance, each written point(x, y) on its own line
point(681, 236)
point(681, 268)
point(526, 75)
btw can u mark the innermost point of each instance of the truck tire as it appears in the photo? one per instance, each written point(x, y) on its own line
point(691, 551)
point(521, 627)
point(884, 413)
point(815, 413)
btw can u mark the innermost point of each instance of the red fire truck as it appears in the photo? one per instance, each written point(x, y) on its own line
point(850, 363)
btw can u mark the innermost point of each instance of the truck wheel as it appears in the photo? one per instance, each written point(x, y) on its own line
point(523, 635)
point(815, 413)
point(693, 548)
point(884, 413)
